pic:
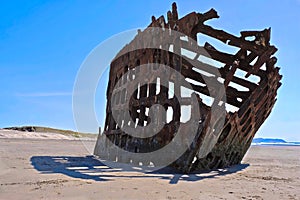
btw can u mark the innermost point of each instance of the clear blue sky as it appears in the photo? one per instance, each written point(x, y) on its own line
point(43, 43)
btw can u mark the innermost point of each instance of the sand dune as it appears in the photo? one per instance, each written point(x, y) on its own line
point(4, 133)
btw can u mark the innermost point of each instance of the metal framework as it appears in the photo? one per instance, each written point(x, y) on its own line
point(253, 104)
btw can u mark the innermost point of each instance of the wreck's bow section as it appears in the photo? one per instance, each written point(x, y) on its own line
point(248, 75)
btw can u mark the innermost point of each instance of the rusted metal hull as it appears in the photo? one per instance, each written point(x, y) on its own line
point(253, 106)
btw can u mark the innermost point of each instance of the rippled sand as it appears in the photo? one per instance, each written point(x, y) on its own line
point(62, 169)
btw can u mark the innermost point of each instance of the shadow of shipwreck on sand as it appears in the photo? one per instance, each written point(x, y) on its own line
point(76, 167)
point(90, 168)
point(201, 175)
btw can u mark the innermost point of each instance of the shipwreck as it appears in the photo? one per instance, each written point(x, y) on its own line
point(217, 143)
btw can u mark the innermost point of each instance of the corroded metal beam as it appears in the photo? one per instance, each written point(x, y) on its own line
point(253, 105)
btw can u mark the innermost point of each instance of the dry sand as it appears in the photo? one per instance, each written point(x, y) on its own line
point(61, 169)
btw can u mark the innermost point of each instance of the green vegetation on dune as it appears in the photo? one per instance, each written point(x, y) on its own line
point(52, 130)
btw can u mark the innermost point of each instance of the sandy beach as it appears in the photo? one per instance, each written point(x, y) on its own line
point(61, 168)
